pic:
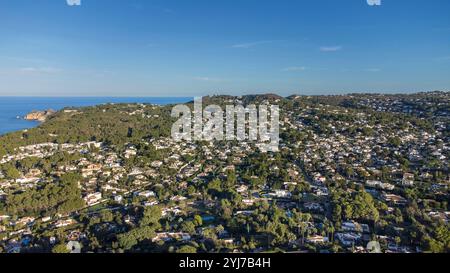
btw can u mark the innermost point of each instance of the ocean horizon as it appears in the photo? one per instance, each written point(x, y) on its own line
point(13, 109)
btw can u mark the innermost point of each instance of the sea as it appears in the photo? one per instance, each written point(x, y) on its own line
point(13, 109)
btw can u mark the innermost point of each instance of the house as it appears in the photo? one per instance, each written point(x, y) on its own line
point(394, 199)
point(130, 152)
point(118, 198)
point(25, 221)
point(319, 179)
point(178, 198)
point(440, 216)
point(321, 191)
point(145, 194)
point(174, 210)
point(379, 184)
point(19, 232)
point(152, 203)
point(46, 219)
point(347, 239)
point(170, 236)
point(136, 172)
point(408, 179)
point(287, 185)
point(93, 198)
point(281, 194)
point(242, 188)
point(353, 226)
point(248, 202)
point(34, 173)
point(228, 168)
point(129, 219)
point(313, 206)
point(75, 235)
point(94, 167)
point(317, 239)
point(373, 183)
point(244, 212)
point(26, 180)
point(228, 241)
point(156, 164)
point(65, 223)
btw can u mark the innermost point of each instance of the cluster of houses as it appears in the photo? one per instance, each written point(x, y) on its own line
point(321, 162)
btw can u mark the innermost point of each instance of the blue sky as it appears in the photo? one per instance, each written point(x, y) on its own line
point(197, 47)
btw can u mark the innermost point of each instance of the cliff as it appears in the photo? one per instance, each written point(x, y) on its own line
point(39, 115)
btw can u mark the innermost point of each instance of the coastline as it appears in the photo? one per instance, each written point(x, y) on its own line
point(13, 109)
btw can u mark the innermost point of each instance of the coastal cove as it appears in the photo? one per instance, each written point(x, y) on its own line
point(13, 109)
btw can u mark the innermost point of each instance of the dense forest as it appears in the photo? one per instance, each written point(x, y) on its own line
point(60, 197)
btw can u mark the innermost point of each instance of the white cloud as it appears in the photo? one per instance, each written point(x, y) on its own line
point(252, 44)
point(47, 70)
point(207, 79)
point(295, 68)
point(330, 48)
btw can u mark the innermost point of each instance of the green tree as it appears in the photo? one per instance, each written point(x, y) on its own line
point(198, 221)
point(188, 227)
point(151, 217)
point(12, 173)
point(60, 248)
point(186, 249)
